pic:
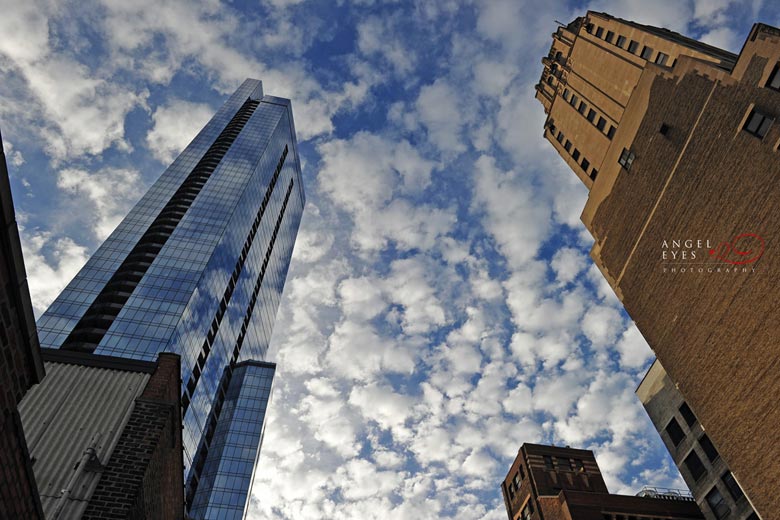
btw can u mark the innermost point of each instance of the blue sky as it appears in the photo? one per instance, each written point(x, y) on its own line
point(441, 308)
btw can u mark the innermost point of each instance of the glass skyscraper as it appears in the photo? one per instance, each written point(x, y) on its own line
point(197, 268)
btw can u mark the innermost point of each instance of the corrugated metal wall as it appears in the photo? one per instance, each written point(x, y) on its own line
point(72, 407)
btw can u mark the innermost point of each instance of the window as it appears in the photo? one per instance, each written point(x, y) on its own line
point(647, 52)
point(561, 463)
point(579, 465)
point(633, 46)
point(560, 137)
point(774, 78)
point(576, 155)
point(758, 124)
point(528, 510)
point(673, 428)
point(522, 473)
point(550, 80)
point(732, 486)
point(589, 28)
point(601, 124)
point(717, 503)
point(585, 164)
point(516, 480)
point(611, 132)
point(599, 32)
point(552, 129)
point(709, 448)
point(753, 516)
point(567, 146)
point(664, 130)
point(685, 410)
point(511, 489)
point(694, 465)
point(593, 175)
point(661, 58)
point(548, 463)
point(583, 106)
point(566, 94)
point(610, 36)
point(591, 115)
point(573, 100)
point(621, 42)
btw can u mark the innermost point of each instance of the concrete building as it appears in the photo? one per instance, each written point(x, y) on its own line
point(20, 364)
point(683, 208)
point(551, 483)
point(709, 478)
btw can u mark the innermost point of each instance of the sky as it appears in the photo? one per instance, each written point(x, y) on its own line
point(441, 308)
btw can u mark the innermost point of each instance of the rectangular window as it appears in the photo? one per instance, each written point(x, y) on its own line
point(621, 42)
point(695, 466)
point(611, 132)
point(647, 52)
point(560, 137)
point(585, 164)
point(661, 58)
point(718, 504)
point(583, 106)
point(774, 78)
point(633, 46)
point(548, 463)
point(685, 410)
point(601, 124)
point(573, 100)
point(709, 448)
point(732, 486)
point(522, 472)
point(516, 480)
point(561, 463)
point(599, 32)
point(758, 124)
point(567, 146)
point(576, 155)
point(528, 510)
point(591, 115)
point(610, 37)
point(672, 429)
point(593, 175)
point(566, 94)
point(589, 28)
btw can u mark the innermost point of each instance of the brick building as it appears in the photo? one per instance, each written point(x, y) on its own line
point(105, 436)
point(682, 207)
point(20, 364)
point(551, 483)
point(709, 478)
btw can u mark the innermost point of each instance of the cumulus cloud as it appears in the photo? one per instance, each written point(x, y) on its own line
point(175, 124)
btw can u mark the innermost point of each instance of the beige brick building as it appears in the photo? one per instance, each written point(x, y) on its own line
point(677, 145)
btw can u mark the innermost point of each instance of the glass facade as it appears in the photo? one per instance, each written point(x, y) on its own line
point(198, 265)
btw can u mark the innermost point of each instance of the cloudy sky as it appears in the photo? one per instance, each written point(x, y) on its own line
point(441, 308)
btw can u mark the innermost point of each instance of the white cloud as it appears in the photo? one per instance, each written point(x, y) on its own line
point(175, 124)
point(441, 111)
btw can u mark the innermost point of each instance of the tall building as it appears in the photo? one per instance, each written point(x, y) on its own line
point(552, 483)
point(676, 143)
point(197, 269)
point(20, 364)
point(709, 478)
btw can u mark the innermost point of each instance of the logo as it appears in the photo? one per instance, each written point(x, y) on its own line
point(743, 249)
point(737, 255)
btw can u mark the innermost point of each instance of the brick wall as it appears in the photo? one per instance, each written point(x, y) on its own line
point(143, 479)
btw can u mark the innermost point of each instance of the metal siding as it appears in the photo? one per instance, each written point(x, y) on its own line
point(61, 416)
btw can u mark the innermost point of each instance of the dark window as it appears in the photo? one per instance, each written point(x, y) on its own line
point(522, 472)
point(709, 448)
point(579, 465)
point(528, 510)
point(548, 463)
point(583, 106)
point(561, 463)
point(664, 130)
point(774, 78)
point(695, 465)
point(589, 28)
point(685, 410)
point(558, 56)
point(560, 137)
point(593, 175)
point(611, 132)
point(566, 94)
point(585, 164)
point(516, 480)
point(758, 124)
point(591, 115)
point(673, 429)
point(717, 503)
point(550, 80)
point(647, 52)
point(621, 42)
point(576, 155)
point(552, 129)
point(610, 36)
point(753, 516)
point(573, 100)
point(599, 32)
point(661, 58)
point(633, 46)
point(567, 146)
point(601, 124)
point(732, 486)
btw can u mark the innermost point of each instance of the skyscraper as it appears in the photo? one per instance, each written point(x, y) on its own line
point(197, 268)
point(677, 143)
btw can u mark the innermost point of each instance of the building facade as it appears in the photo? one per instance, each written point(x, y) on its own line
point(682, 210)
point(713, 485)
point(197, 268)
point(552, 483)
point(20, 364)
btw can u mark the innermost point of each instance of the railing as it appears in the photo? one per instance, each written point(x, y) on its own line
point(666, 493)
